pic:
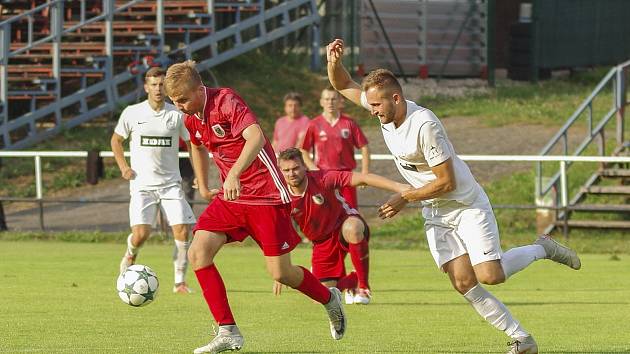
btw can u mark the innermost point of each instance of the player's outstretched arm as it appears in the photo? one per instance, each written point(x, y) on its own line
point(376, 181)
point(119, 155)
point(254, 142)
point(444, 183)
point(339, 77)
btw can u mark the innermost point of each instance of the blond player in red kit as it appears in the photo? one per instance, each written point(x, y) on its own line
point(253, 201)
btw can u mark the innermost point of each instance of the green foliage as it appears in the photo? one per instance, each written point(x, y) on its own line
point(548, 102)
point(61, 297)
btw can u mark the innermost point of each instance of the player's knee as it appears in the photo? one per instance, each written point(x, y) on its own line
point(199, 256)
point(463, 285)
point(491, 278)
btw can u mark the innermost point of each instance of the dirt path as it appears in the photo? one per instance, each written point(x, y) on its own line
point(467, 134)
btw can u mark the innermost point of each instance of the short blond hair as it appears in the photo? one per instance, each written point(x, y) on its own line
point(181, 78)
point(381, 78)
point(155, 71)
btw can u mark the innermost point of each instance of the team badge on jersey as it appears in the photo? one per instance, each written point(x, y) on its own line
point(345, 133)
point(218, 130)
point(318, 199)
point(171, 124)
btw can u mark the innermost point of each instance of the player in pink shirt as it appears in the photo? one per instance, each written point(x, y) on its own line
point(333, 136)
point(289, 130)
point(330, 223)
point(253, 201)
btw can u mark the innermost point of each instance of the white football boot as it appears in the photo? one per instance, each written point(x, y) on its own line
point(336, 314)
point(558, 252)
point(362, 296)
point(524, 345)
point(227, 338)
point(348, 297)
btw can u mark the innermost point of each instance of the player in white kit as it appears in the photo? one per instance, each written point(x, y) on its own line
point(460, 226)
point(154, 127)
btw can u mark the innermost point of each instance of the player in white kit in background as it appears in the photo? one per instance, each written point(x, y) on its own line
point(460, 226)
point(154, 127)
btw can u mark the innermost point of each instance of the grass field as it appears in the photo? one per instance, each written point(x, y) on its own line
point(60, 298)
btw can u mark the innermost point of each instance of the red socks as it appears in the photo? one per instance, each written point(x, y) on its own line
point(215, 294)
point(312, 288)
point(350, 281)
point(360, 255)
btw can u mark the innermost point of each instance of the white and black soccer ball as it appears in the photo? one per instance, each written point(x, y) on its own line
point(138, 285)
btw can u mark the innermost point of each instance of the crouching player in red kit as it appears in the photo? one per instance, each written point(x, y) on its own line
point(254, 201)
point(334, 227)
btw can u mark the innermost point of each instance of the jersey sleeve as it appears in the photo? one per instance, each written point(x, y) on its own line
point(309, 138)
point(190, 127)
point(123, 127)
point(183, 131)
point(358, 138)
point(236, 111)
point(433, 144)
point(336, 179)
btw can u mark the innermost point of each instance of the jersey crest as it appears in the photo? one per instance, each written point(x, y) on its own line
point(345, 133)
point(318, 199)
point(218, 130)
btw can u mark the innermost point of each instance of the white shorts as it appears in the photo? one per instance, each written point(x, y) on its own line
point(143, 206)
point(454, 229)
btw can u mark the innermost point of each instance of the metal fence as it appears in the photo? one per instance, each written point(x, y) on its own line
point(563, 161)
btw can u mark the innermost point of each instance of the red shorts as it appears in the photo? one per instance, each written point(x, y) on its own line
point(328, 259)
point(269, 225)
point(349, 193)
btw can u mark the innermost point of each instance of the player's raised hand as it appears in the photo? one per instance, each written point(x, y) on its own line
point(334, 51)
point(128, 174)
point(231, 187)
point(393, 205)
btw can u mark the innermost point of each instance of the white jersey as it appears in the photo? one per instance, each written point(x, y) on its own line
point(154, 144)
point(420, 143)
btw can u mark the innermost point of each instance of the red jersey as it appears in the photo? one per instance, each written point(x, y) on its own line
point(225, 116)
point(334, 144)
point(322, 210)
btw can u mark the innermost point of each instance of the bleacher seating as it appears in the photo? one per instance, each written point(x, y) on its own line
point(134, 38)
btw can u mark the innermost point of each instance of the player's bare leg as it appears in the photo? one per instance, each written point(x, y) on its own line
point(353, 231)
point(299, 278)
point(464, 280)
point(203, 249)
point(180, 257)
point(139, 234)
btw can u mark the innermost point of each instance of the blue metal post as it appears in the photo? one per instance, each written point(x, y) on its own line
point(316, 60)
point(621, 104)
point(108, 10)
point(159, 28)
point(5, 49)
point(56, 30)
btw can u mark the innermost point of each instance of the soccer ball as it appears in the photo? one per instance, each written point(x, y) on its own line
point(138, 285)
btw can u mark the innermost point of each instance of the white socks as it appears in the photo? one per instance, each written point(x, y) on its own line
point(517, 259)
point(180, 260)
point(131, 249)
point(493, 311)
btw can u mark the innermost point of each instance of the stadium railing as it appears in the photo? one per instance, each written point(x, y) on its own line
point(563, 162)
